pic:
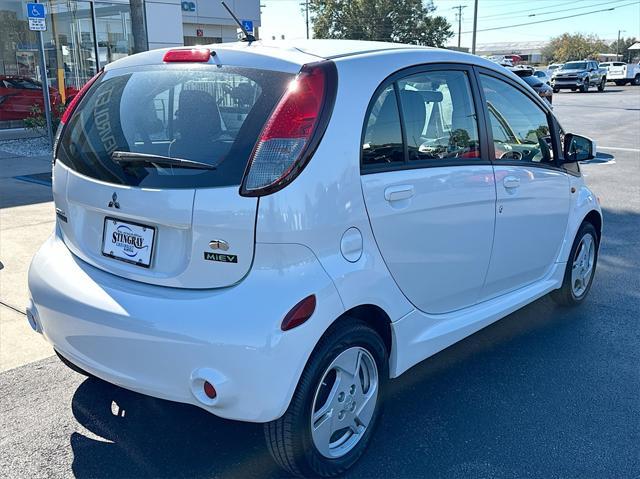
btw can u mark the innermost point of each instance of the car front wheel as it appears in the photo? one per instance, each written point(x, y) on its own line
point(580, 268)
point(336, 405)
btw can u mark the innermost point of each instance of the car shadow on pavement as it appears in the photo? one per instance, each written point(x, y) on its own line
point(140, 436)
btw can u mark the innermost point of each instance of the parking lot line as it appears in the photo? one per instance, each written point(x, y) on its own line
point(615, 148)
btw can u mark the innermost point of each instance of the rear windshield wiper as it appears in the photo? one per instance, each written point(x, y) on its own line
point(129, 157)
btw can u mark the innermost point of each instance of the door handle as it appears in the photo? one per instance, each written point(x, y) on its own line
point(399, 192)
point(511, 182)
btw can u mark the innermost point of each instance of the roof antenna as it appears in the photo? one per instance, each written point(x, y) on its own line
point(247, 36)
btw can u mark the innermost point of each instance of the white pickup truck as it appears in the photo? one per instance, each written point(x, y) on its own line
point(622, 73)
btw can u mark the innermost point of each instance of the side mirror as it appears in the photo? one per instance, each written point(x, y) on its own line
point(578, 148)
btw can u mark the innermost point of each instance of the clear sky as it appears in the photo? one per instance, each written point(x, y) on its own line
point(286, 17)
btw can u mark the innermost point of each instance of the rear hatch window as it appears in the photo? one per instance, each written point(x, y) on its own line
point(205, 114)
point(149, 170)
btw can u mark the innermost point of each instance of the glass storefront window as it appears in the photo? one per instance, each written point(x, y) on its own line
point(113, 31)
point(69, 45)
point(82, 36)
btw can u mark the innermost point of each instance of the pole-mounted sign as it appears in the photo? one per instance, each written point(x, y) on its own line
point(36, 16)
point(37, 22)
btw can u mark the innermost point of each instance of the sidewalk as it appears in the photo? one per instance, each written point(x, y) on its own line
point(26, 219)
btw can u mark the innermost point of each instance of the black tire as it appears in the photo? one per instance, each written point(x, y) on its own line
point(565, 296)
point(72, 366)
point(620, 82)
point(602, 84)
point(636, 80)
point(585, 87)
point(556, 90)
point(289, 438)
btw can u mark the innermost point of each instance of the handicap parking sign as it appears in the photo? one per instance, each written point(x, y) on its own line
point(35, 10)
point(36, 15)
point(248, 25)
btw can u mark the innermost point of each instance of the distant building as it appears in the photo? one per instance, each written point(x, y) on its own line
point(530, 52)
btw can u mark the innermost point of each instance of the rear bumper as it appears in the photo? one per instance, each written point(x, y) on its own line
point(165, 342)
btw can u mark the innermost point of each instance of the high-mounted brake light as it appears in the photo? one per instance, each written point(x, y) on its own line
point(299, 313)
point(292, 133)
point(76, 99)
point(190, 55)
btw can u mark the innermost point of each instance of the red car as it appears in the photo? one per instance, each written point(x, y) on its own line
point(18, 94)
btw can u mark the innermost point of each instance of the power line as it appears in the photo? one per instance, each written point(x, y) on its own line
point(506, 14)
point(554, 19)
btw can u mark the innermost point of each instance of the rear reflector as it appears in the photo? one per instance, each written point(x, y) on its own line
point(209, 390)
point(191, 55)
point(299, 313)
point(294, 129)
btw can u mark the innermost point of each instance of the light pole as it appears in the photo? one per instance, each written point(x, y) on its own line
point(475, 27)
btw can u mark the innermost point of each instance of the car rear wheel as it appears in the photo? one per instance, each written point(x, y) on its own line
point(556, 90)
point(636, 80)
point(336, 405)
point(602, 84)
point(580, 268)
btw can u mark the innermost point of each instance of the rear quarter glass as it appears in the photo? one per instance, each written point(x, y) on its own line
point(202, 113)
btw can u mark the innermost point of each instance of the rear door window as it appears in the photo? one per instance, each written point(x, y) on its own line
point(207, 114)
point(439, 116)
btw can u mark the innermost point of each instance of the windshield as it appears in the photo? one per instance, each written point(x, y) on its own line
point(575, 66)
point(206, 114)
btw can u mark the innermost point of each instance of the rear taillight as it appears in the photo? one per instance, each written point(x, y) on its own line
point(292, 133)
point(76, 99)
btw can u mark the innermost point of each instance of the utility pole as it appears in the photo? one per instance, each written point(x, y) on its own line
point(459, 15)
point(618, 43)
point(306, 15)
point(475, 27)
point(138, 26)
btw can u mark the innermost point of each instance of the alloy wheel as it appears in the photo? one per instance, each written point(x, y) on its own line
point(582, 268)
point(344, 402)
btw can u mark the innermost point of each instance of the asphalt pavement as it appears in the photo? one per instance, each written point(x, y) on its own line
point(546, 392)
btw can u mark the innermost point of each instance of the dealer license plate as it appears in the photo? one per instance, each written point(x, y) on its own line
point(130, 242)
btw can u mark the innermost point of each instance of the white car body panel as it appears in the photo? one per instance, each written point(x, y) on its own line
point(314, 236)
point(531, 220)
point(152, 340)
point(437, 243)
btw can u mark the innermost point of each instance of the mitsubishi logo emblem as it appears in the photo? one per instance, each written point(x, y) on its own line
point(114, 201)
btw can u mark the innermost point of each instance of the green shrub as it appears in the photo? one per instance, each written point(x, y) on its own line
point(37, 120)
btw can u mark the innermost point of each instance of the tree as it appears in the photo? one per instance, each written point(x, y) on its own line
point(405, 21)
point(623, 48)
point(568, 47)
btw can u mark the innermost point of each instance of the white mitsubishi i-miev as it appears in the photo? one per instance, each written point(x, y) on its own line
point(271, 233)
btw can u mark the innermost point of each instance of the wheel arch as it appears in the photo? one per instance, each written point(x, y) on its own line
point(595, 218)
